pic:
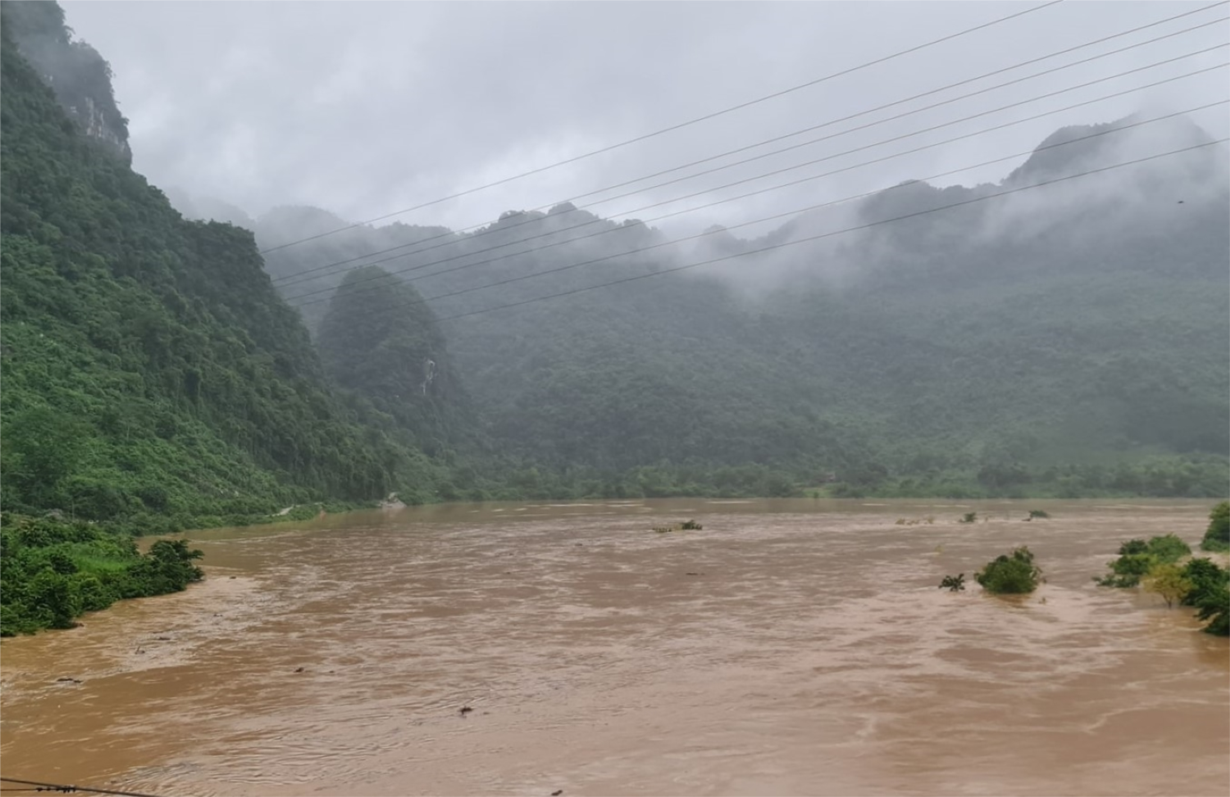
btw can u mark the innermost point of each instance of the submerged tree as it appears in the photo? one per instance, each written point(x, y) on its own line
point(1215, 608)
point(954, 583)
point(1217, 537)
point(1206, 577)
point(1010, 574)
point(1169, 548)
point(1167, 581)
point(1138, 558)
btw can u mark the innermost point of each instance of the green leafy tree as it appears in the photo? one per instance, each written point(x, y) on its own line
point(44, 446)
point(1138, 557)
point(54, 601)
point(1167, 581)
point(1206, 577)
point(1013, 573)
point(1217, 537)
point(1168, 549)
point(1214, 607)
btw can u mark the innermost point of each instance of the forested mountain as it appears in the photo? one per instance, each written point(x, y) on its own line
point(379, 340)
point(150, 370)
point(1071, 338)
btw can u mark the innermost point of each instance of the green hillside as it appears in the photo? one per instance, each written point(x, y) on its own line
point(385, 346)
point(152, 350)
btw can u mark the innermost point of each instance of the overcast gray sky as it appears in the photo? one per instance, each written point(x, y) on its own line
point(365, 108)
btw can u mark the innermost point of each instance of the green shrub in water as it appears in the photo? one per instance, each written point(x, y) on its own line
point(954, 583)
point(1217, 537)
point(1206, 577)
point(1167, 581)
point(1011, 574)
point(1137, 558)
point(1169, 549)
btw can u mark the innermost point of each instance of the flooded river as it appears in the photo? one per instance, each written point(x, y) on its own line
point(789, 647)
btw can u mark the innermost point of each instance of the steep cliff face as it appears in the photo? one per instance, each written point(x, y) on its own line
point(79, 76)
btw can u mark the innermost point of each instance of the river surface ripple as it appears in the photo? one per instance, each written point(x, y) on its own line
point(789, 647)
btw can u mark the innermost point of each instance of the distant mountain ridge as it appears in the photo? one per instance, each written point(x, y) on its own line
point(976, 340)
point(1071, 339)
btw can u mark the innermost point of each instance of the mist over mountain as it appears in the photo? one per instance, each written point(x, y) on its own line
point(79, 76)
point(1021, 330)
point(995, 338)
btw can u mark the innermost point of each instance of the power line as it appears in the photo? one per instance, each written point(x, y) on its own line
point(950, 86)
point(797, 211)
point(68, 789)
point(836, 232)
point(838, 171)
point(293, 299)
point(878, 160)
point(792, 183)
point(680, 125)
point(305, 275)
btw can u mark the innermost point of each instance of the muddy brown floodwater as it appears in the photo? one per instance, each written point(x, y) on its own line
point(789, 647)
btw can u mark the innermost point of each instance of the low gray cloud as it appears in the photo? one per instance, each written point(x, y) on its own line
point(364, 108)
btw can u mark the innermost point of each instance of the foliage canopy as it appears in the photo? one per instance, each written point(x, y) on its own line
point(1010, 574)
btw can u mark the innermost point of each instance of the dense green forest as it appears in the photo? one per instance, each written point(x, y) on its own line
point(148, 364)
point(405, 370)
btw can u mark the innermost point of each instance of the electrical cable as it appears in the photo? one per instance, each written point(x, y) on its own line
point(680, 125)
point(69, 789)
point(797, 211)
point(836, 232)
point(300, 304)
point(307, 274)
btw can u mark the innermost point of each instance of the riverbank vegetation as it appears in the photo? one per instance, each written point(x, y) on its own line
point(52, 572)
point(1155, 566)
